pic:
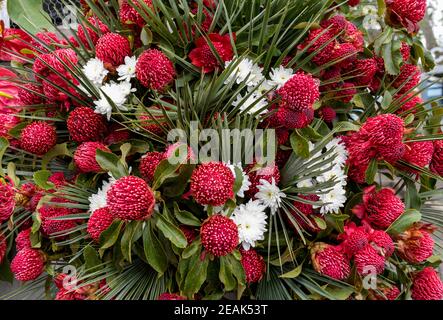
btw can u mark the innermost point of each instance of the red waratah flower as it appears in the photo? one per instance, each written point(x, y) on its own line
point(85, 125)
point(416, 245)
point(330, 260)
point(189, 233)
point(346, 92)
point(91, 32)
point(68, 295)
point(290, 119)
point(344, 55)
point(112, 49)
point(49, 226)
point(383, 130)
point(363, 71)
point(130, 16)
point(28, 264)
point(99, 221)
point(256, 173)
point(38, 138)
point(148, 164)
point(30, 94)
point(51, 89)
point(170, 296)
point(58, 179)
point(219, 235)
point(307, 221)
point(380, 208)
point(46, 39)
point(130, 198)
point(23, 240)
point(3, 248)
point(406, 13)
point(369, 260)
point(355, 238)
point(382, 242)
point(408, 78)
point(84, 156)
point(7, 201)
point(419, 153)
point(117, 133)
point(330, 79)
point(202, 57)
point(411, 101)
point(346, 31)
point(405, 51)
point(44, 64)
point(360, 155)
point(427, 285)
point(436, 165)
point(322, 42)
point(7, 122)
point(384, 292)
point(327, 113)
point(12, 42)
point(154, 70)
point(300, 92)
point(212, 184)
point(253, 264)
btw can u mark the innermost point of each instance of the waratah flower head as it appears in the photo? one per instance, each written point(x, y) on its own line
point(23, 240)
point(130, 16)
point(346, 31)
point(363, 71)
point(411, 101)
point(38, 138)
point(49, 226)
point(84, 156)
point(383, 130)
point(330, 260)
point(30, 94)
point(212, 184)
point(322, 42)
point(436, 165)
point(416, 245)
point(43, 40)
point(290, 119)
point(112, 49)
point(202, 57)
point(130, 198)
point(85, 125)
point(219, 235)
point(170, 296)
point(354, 238)
point(327, 113)
point(300, 92)
point(258, 172)
point(384, 292)
point(91, 33)
point(408, 78)
point(382, 242)
point(405, 51)
point(28, 264)
point(3, 248)
point(148, 164)
point(99, 221)
point(7, 201)
point(381, 208)
point(419, 153)
point(344, 55)
point(368, 260)
point(154, 70)
point(117, 133)
point(346, 92)
point(253, 264)
point(427, 285)
point(406, 13)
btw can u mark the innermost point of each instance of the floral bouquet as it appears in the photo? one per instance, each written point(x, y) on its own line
point(221, 149)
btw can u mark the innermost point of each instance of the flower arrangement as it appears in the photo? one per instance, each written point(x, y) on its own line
point(109, 191)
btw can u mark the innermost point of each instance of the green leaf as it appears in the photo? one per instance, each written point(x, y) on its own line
point(154, 251)
point(5, 272)
point(175, 185)
point(311, 133)
point(300, 145)
point(186, 217)
point(225, 275)
point(237, 269)
point(371, 171)
point(127, 239)
point(392, 56)
point(29, 15)
point(195, 277)
point(293, 273)
point(407, 219)
point(192, 249)
point(92, 259)
point(111, 163)
point(41, 179)
point(238, 179)
point(171, 232)
point(320, 222)
point(163, 171)
point(4, 145)
point(146, 36)
point(343, 126)
point(387, 100)
point(110, 235)
point(58, 150)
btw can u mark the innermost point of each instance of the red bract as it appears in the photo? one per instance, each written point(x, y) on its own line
point(406, 13)
point(253, 264)
point(219, 235)
point(212, 184)
point(427, 285)
point(28, 264)
point(112, 48)
point(100, 220)
point(85, 125)
point(13, 42)
point(202, 56)
point(416, 244)
point(85, 156)
point(38, 138)
point(9, 89)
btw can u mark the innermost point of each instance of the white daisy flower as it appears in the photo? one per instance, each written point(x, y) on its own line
point(280, 75)
point(127, 71)
point(98, 200)
point(269, 194)
point(249, 101)
point(245, 181)
point(95, 71)
point(117, 93)
point(245, 69)
point(332, 201)
point(250, 219)
point(306, 183)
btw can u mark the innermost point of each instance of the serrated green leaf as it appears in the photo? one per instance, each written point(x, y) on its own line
point(171, 232)
point(110, 235)
point(41, 179)
point(110, 162)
